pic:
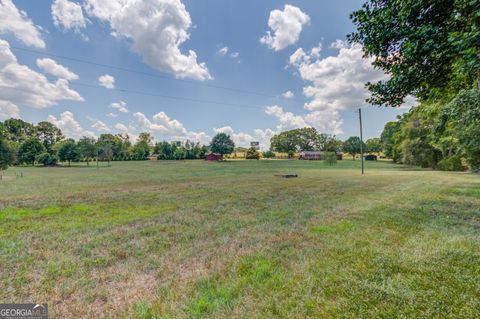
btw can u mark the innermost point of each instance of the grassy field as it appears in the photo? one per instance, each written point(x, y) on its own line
point(221, 240)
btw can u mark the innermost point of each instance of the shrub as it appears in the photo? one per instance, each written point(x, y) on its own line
point(268, 154)
point(46, 159)
point(452, 163)
point(252, 154)
point(330, 158)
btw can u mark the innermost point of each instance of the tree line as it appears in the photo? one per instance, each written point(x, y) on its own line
point(430, 50)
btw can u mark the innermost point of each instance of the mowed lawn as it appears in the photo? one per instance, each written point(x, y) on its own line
point(230, 240)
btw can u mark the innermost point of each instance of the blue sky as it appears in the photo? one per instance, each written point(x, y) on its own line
point(199, 67)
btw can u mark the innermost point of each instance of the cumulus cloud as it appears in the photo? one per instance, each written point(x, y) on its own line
point(51, 67)
point(21, 85)
point(156, 30)
point(8, 110)
point(17, 23)
point(112, 115)
point(335, 83)
point(68, 15)
point(288, 95)
point(287, 120)
point(107, 81)
point(168, 128)
point(286, 26)
point(119, 106)
point(69, 125)
point(101, 126)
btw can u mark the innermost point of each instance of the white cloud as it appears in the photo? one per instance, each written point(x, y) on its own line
point(16, 22)
point(336, 83)
point(234, 55)
point(68, 15)
point(287, 120)
point(51, 67)
point(288, 95)
point(20, 85)
point(168, 128)
point(223, 51)
point(101, 126)
point(286, 26)
point(8, 110)
point(156, 30)
point(69, 126)
point(119, 106)
point(113, 115)
point(107, 81)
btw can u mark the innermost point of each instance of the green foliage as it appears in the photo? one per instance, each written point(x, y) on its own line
point(87, 148)
point(352, 146)
point(7, 154)
point(29, 150)
point(422, 44)
point(330, 158)
point(452, 163)
point(268, 154)
point(373, 145)
point(222, 144)
point(48, 134)
point(252, 153)
point(464, 114)
point(69, 151)
point(46, 159)
point(141, 149)
point(303, 139)
point(17, 131)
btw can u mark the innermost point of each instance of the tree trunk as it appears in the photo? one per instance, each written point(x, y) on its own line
point(88, 164)
point(68, 162)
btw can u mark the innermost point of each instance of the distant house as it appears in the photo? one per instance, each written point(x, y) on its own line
point(370, 157)
point(152, 157)
point(213, 157)
point(311, 155)
point(339, 156)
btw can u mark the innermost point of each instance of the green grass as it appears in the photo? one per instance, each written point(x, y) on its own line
point(219, 240)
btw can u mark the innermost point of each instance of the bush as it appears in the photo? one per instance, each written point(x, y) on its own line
point(252, 154)
point(268, 154)
point(330, 158)
point(452, 163)
point(46, 159)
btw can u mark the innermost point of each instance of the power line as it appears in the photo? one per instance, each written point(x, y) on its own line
point(142, 72)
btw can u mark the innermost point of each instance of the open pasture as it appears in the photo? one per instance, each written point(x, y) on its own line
point(191, 239)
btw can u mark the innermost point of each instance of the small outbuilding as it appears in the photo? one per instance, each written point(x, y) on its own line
point(370, 157)
point(339, 156)
point(152, 157)
point(213, 157)
point(311, 155)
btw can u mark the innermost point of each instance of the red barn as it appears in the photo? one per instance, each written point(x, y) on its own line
point(213, 157)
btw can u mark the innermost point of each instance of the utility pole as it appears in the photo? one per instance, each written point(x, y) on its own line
point(361, 137)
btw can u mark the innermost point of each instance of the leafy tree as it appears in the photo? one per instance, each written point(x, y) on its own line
point(268, 154)
point(141, 149)
point(46, 159)
point(302, 139)
point(222, 144)
point(29, 150)
point(423, 45)
point(87, 148)
point(331, 158)
point(464, 115)
point(105, 152)
point(327, 143)
point(48, 134)
point(180, 153)
point(18, 131)
point(352, 146)
point(7, 155)
point(69, 151)
point(164, 150)
point(388, 139)
point(145, 137)
point(373, 145)
point(252, 154)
